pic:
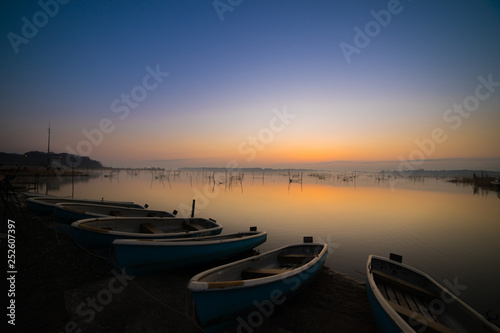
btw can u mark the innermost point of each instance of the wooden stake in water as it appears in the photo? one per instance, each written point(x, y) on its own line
point(192, 209)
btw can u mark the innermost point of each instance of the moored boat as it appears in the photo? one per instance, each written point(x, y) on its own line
point(404, 299)
point(68, 212)
point(44, 205)
point(140, 256)
point(225, 295)
point(99, 233)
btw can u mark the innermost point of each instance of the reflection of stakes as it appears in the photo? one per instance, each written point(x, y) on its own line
point(249, 147)
point(237, 179)
point(263, 176)
point(297, 178)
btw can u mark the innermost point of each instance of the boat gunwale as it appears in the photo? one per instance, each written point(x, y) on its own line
point(205, 240)
point(395, 316)
point(74, 210)
point(40, 200)
point(195, 285)
point(62, 206)
point(82, 225)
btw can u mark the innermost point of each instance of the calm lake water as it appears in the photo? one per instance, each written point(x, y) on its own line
point(441, 228)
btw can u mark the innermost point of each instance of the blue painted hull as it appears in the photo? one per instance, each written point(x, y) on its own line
point(44, 205)
point(40, 208)
point(384, 321)
point(246, 307)
point(144, 259)
point(404, 299)
point(65, 215)
point(94, 238)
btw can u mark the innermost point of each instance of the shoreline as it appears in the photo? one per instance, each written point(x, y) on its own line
point(63, 288)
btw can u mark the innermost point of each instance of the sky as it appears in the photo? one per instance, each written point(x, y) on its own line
point(334, 85)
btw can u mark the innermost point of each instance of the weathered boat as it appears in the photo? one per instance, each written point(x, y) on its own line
point(139, 256)
point(99, 233)
point(44, 205)
point(225, 295)
point(404, 299)
point(68, 212)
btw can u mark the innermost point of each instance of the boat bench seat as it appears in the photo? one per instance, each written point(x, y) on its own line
point(192, 226)
point(148, 228)
point(255, 273)
point(115, 213)
point(294, 258)
point(404, 285)
point(433, 326)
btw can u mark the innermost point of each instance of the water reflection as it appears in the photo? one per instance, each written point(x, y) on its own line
point(445, 229)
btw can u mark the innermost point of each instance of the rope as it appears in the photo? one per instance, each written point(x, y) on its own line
point(185, 315)
point(114, 264)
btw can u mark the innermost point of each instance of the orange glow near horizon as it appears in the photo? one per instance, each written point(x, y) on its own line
point(294, 145)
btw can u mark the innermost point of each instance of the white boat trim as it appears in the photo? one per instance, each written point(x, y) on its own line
point(197, 286)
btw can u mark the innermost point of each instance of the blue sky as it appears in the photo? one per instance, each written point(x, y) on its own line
point(225, 78)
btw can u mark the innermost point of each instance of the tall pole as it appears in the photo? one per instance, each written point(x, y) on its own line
point(48, 149)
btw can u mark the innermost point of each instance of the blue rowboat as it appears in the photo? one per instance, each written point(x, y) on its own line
point(99, 233)
point(66, 212)
point(139, 256)
point(237, 293)
point(44, 205)
point(404, 299)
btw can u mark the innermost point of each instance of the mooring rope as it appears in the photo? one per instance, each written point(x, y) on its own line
point(114, 264)
point(185, 315)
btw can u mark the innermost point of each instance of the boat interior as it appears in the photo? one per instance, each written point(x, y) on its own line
point(422, 304)
point(286, 262)
point(55, 200)
point(113, 210)
point(274, 263)
point(149, 226)
point(208, 238)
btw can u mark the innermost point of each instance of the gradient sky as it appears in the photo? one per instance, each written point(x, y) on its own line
point(233, 69)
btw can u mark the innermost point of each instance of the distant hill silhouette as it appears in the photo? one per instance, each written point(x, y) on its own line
point(37, 158)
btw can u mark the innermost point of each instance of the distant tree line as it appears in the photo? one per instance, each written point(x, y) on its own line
point(37, 158)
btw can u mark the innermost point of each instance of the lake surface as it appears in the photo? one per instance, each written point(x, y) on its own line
point(441, 228)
